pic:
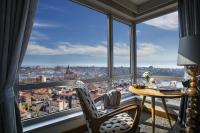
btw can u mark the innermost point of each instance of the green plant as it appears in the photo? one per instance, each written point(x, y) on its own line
point(147, 75)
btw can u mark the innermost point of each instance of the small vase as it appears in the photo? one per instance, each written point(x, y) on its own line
point(147, 79)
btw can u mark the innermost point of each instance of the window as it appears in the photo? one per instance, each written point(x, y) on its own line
point(70, 45)
point(68, 42)
point(121, 57)
point(121, 48)
point(157, 46)
point(122, 85)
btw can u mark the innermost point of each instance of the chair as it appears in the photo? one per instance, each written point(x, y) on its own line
point(121, 120)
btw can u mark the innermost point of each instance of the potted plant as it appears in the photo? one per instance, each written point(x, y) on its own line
point(147, 75)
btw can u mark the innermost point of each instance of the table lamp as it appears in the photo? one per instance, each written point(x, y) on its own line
point(189, 56)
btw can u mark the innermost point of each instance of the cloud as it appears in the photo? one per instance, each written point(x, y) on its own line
point(148, 49)
point(166, 22)
point(54, 8)
point(121, 50)
point(35, 49)
point(44, 25)
point(121, 45)
point(36, 35)
point(68, 48)
point(65, 48)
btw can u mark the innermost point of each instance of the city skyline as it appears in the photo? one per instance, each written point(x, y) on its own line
point(63, 39)
point(55, 65)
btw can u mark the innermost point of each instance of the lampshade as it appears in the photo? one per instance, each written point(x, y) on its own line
point(189, 51)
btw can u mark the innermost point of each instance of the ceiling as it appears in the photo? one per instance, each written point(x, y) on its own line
point(132, 10)
point(139, 2)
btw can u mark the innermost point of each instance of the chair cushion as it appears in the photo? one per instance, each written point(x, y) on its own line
point(105, 111)
point(118, 124)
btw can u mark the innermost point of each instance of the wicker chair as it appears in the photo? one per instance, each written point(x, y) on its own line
point(122, 120)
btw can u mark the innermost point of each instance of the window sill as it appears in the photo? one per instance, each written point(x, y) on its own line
point(52, 121)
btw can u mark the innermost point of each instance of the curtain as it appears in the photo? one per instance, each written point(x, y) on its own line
point(189, 17)
point(189, 32)
point(16, 21)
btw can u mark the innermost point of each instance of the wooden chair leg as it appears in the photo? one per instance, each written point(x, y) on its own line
point(165, 107)
point(153, 113)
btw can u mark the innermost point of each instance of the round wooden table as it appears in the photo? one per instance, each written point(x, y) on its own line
point(156, 94)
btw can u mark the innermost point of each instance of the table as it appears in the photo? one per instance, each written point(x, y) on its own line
point(153, 93)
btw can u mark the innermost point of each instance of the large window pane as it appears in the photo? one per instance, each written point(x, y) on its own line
point(121, 48)
point(68, 41)
point(157, 47)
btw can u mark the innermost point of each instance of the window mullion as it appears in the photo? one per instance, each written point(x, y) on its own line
point(133, 53)
point(110, 50)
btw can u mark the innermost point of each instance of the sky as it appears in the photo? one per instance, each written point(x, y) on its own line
point(66, 33)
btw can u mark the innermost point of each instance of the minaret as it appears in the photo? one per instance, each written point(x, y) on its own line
point(67, 69)
point(70, 74)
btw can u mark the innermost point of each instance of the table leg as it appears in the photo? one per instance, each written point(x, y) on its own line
point(165, 107)
point(153, 113)
point(143, 100)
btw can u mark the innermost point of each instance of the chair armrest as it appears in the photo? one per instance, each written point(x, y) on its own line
point(99, 98)
point(127, 108)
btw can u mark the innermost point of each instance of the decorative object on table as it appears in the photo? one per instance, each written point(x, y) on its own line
point(152, 80)
point(139, 85)
point(189, 56)
point(167, 89)
point(147, 75)
point(173, 83)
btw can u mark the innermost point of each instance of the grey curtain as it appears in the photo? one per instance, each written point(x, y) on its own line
point(189, 29)
point(189, 17)
point(16, 21)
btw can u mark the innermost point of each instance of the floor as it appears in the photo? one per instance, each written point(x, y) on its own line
point(162, 125)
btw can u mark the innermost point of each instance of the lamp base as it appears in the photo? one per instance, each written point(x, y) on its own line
point(193, 110)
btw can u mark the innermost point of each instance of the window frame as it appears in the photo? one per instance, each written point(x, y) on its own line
point(110, 77)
